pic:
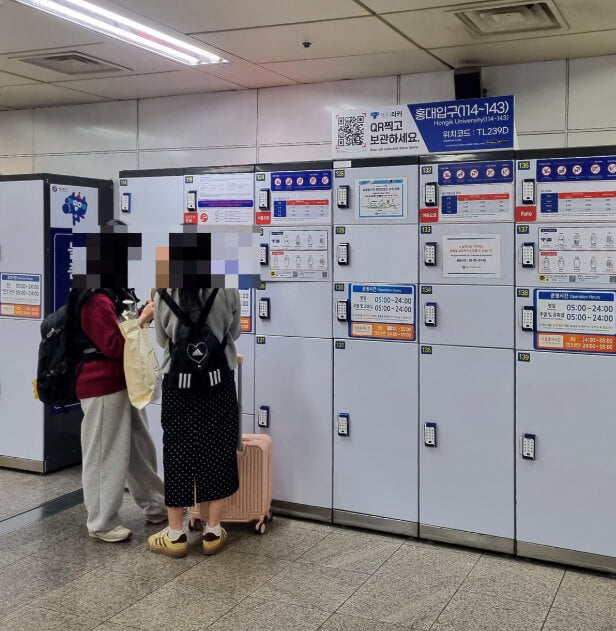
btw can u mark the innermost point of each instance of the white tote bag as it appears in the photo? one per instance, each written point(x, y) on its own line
point(141, 367)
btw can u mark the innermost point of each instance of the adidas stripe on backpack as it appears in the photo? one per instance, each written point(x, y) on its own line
point(198, 359)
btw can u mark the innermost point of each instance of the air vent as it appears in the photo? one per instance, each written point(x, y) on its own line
point(511, 18)
point(71, 62)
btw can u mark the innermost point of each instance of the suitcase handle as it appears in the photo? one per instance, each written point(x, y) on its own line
point(240, 361)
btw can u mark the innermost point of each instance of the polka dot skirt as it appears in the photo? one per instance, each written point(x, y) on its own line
point(200, 431)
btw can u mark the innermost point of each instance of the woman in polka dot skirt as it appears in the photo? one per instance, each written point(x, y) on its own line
point(200, 428)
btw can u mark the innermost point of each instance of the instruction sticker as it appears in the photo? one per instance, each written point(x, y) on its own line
point(246, 310)
point(472, 255)
point(299, 254)
point(20, 295)
point(385, 312)
point(578, 321)
point(298, 197)
point(381, 198)
point(224, 199)
point(577, 255)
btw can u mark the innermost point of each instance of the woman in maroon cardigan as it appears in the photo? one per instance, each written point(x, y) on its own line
point(117, 448)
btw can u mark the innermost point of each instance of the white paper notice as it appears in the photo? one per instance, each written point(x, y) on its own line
point(381, 198)
point(471, 255)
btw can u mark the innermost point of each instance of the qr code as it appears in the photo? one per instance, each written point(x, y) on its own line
point(351, 131)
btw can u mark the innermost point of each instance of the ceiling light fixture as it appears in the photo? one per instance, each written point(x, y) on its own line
point(114, 25)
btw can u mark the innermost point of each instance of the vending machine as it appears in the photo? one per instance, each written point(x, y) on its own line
point(466, 393)
point(565, 351)
point(293, 352)
point(41, 219)
point(375, 344)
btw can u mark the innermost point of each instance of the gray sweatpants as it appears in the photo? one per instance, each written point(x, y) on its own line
point(117, 449)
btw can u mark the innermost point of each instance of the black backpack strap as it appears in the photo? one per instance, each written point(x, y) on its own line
point(207, 307)
point(174, 307)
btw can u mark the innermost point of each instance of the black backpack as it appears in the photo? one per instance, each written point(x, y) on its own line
point(63, 347)
point(198, 360)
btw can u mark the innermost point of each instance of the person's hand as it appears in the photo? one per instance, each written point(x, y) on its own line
point(147, 314)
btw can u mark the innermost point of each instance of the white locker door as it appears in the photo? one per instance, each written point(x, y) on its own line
point(294, 379)
point(246, 346)
point(21, 415)
point(376, 253)
point(445, 238)
point(375, 466)
point(156, 210)
point(156, 431)
point(565, 496)
point(360, 179)
point(295, 309)
point(467, 480)
point(469, 315)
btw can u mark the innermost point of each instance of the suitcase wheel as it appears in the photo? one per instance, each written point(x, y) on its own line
point(269, 517)
point(195, 524)
point(259, 528)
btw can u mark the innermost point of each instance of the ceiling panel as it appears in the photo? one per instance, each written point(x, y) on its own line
point(214, 15)
point(151, 85)
point(389, 6)
point(23, 28)
point(590, 15)
point(544, 49)
point(337, 38)
point(246, 74)
point(42, 95)
point(12, 79)
point(357, 66)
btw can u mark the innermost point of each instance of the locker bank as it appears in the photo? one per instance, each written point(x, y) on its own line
point(430, 344)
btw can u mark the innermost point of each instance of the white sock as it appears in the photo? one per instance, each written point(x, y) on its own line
point(215, 530)
point(174, 535)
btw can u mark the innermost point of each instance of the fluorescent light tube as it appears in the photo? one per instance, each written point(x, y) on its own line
point(125, 29)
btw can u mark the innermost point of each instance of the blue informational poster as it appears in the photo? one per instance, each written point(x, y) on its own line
point(420, 128)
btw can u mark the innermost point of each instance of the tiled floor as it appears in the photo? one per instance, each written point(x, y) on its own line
point(298, 576)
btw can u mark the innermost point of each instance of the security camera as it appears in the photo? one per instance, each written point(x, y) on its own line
point(306, 44)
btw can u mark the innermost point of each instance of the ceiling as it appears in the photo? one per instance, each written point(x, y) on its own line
point(263, 41)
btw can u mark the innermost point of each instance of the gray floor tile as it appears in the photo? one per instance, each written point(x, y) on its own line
point(590, 593)
point(16, 591)
point(280, 541)
point(570, 620)
point(339, 622)
point(52, 572)
point(109, 626)
point(254, 613)
point(139, 560)
point(100, 594)
point(85, 551)
point(303, 584)
point(430, 563)
point(28, 618)
point(352, 550)
point(479, 612)
point(514, 579)
point(237, 573)
point(404, 601)
point(175, 606)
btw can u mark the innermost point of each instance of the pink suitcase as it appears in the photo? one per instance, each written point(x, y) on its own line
point(253, 500)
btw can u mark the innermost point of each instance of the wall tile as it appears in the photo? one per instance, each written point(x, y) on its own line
point(197, 157)
point(222, 119)
point(539, 89)
point(592, 92)
point(85, 128)
point(16, 130)
point(426, 87)
point(303, 114)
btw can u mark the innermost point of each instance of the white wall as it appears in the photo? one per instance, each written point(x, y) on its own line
point(558, 104)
